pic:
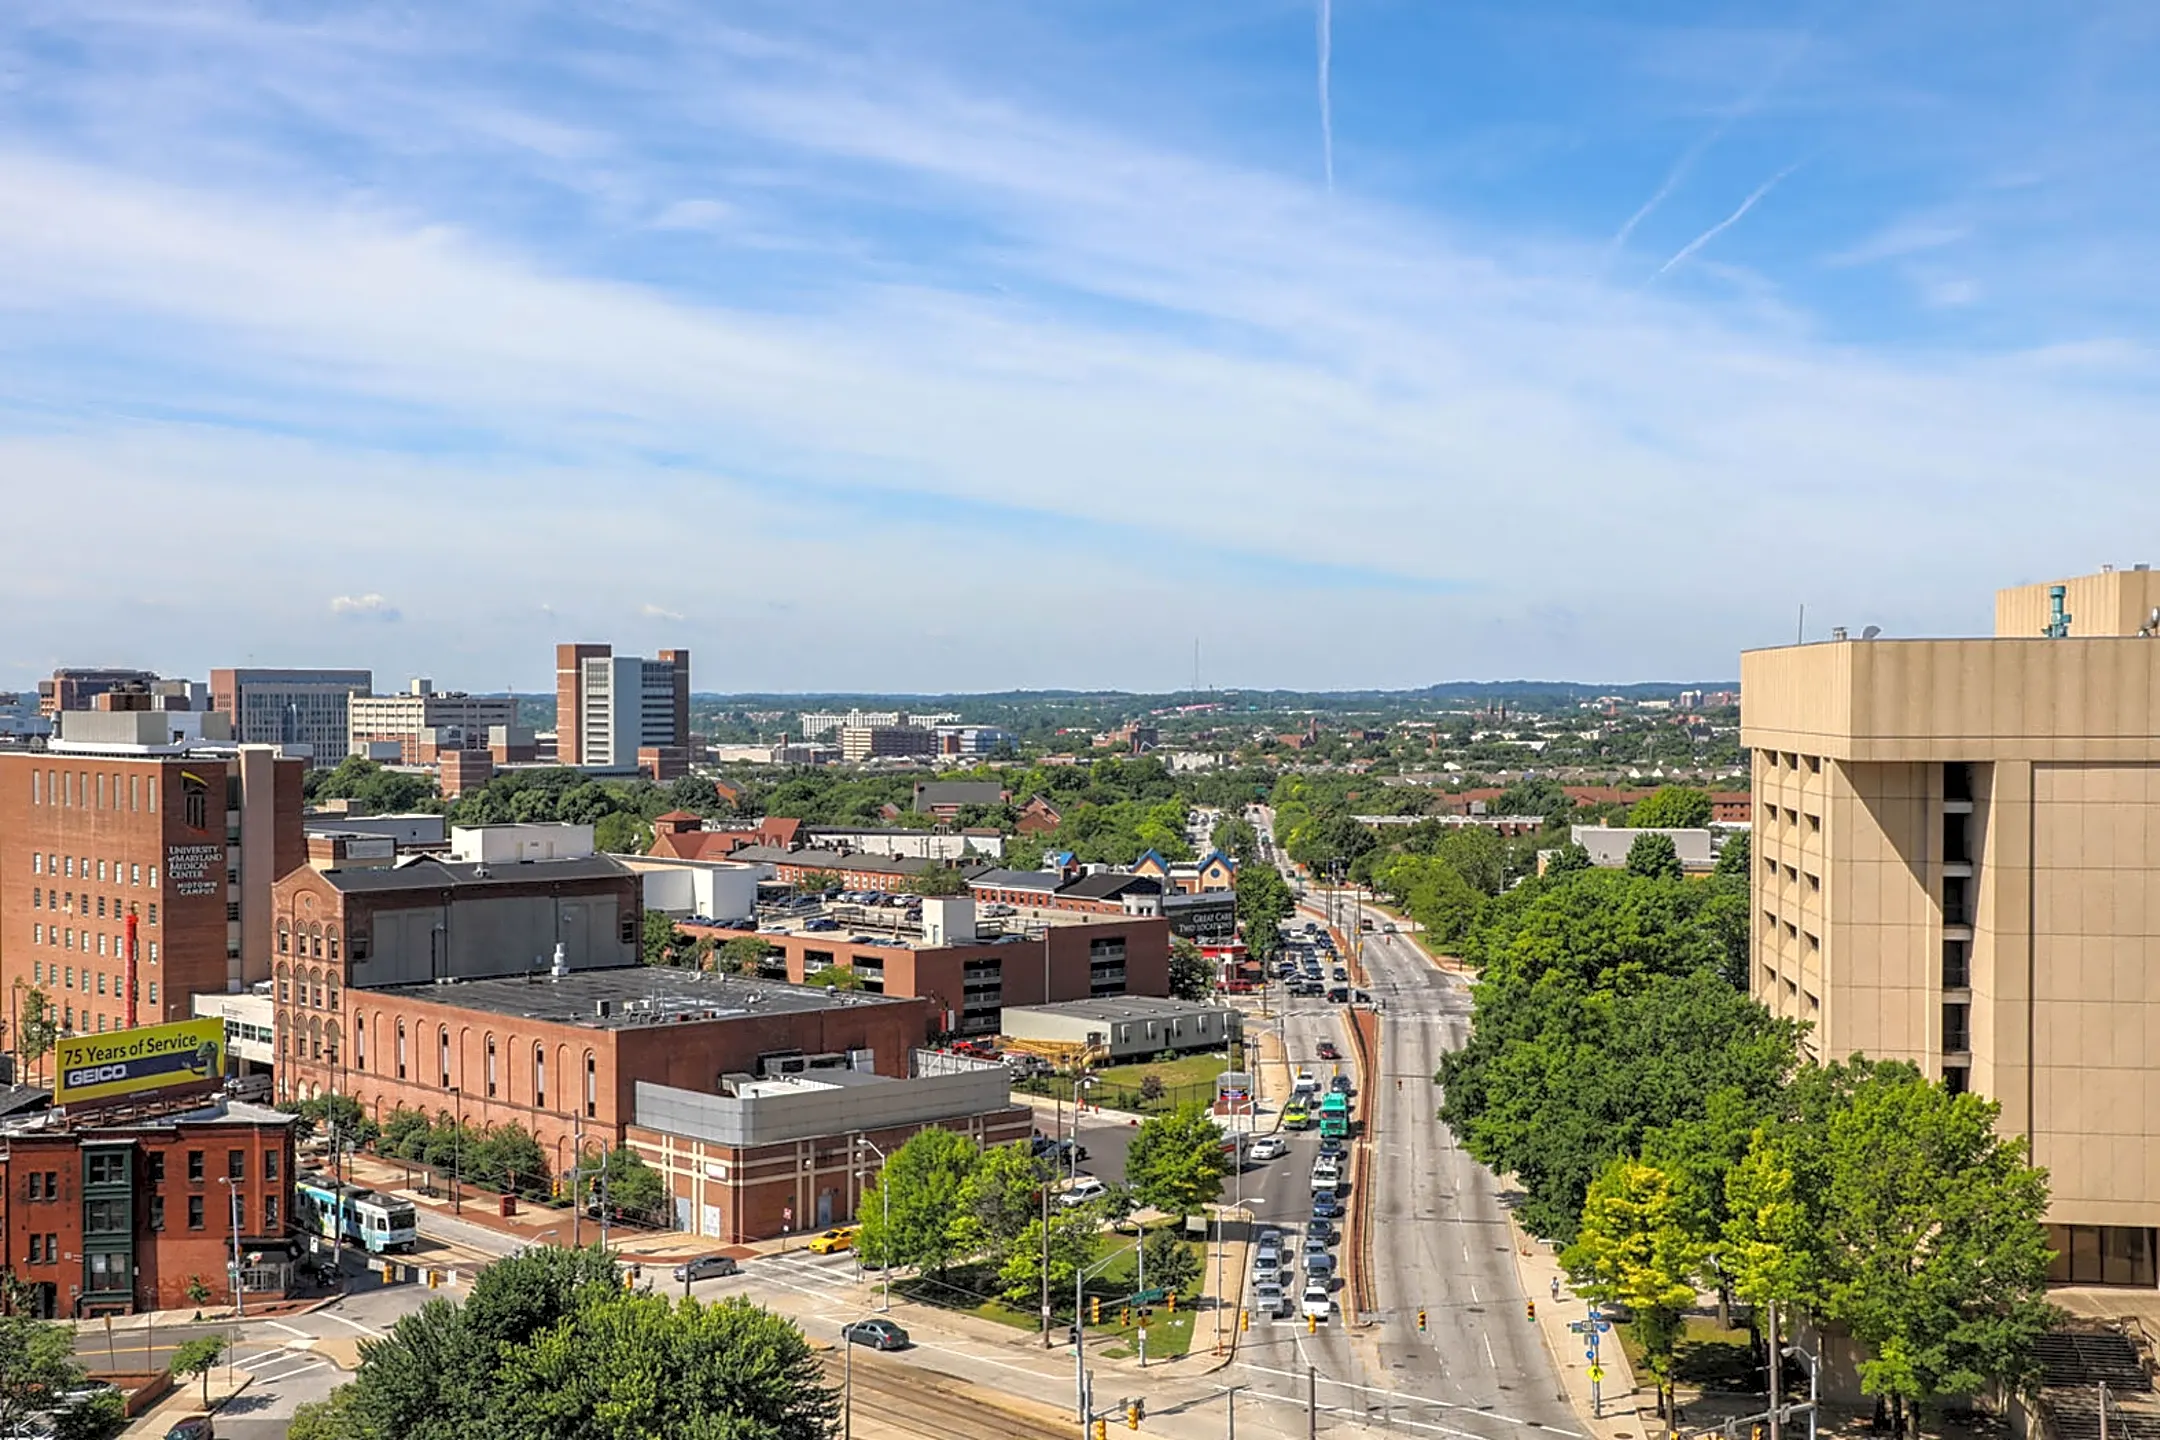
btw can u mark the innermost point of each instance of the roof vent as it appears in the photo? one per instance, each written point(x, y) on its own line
point(561, 964)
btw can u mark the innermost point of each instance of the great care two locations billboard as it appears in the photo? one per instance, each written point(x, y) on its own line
point(141, 1062)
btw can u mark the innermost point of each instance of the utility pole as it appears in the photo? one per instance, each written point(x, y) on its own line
point(1312, 1403)
point(1777, 1364)
point(2103, 1410)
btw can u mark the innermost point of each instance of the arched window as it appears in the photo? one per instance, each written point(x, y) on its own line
point(359, 1042)
point(284, 938)
point(539, 1077)
point(401, 1049)
point(314, 1039)
point(562, 1068)
point(315, 940)
point(442, 1050)
point(491, 1067)
point(330, 1042)
point(284, 983)
point(315, 986)
point(592, 1087)
point(332, 936)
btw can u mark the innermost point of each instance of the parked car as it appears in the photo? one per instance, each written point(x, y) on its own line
point(1317, 1304)
point(834, 1241)
point(707, 1267)
point(877, 1334)
point(1083, 1189)
point(1328, 1051)
point(192, 1427)
point(1267, 1147)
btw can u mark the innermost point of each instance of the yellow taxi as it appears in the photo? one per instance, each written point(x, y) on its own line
point(833, 1241)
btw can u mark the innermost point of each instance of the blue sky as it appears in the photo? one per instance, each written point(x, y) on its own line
point(963, 346)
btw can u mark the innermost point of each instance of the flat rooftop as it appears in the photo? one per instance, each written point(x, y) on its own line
point(635, 996)
point(1121, 1007)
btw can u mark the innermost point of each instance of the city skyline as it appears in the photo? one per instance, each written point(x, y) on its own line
point(412, 334)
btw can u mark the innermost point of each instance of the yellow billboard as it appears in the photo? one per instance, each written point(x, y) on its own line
point(124, 1063)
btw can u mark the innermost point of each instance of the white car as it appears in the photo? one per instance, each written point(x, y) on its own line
point(1267, 1268)
point(1326, 1177)
point(1268, 1298)
point(1083, 1189)
point(1317, 1305)
point(1267, 1147)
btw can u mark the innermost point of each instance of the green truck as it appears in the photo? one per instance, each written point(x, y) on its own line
point(1335, 1117)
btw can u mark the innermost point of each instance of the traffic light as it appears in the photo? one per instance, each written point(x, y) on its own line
point(1529, 1309)
point(1421, 1319)
point(1312, 1325)
point(1135, 1412)
point(1102, 1430)
point(1172, 1298)
point(1095, 1310)
point(1244, 1321)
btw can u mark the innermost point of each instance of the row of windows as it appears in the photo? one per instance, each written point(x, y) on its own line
point(65, 901)
point(1792, 817)
point(92, 790)
point(81, 867)
point(313, 1046)
point(311, 940)
point(66, 938)
point(65, 978)
point(1773, 759)
point(1793, 875)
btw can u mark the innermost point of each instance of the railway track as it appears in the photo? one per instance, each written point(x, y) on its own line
point(920, 1402)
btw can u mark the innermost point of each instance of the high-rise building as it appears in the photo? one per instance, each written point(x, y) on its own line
point(424, 720)
point(608, 707)
point(1953, 865)
point(291, 707)
point(878, 742)
point(116, 850)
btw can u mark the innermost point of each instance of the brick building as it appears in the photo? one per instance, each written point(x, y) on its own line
point(970, 981)
point(170, 852)
point(433, 919)
point(291, 707)
point(112, 1217)
point(609, 708)
point(561, 1055)
point(796, 1152)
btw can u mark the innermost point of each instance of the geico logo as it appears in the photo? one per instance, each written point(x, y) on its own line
point(97, 1074)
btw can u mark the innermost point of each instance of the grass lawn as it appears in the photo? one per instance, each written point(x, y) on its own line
point(1708, 1357)
point(1167, 1334)
point(1190, 1077)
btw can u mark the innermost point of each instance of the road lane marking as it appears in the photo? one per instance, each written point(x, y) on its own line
point(1407, 1398)
point(345, 1320)
point(1489, 1355)
point(290, 1329)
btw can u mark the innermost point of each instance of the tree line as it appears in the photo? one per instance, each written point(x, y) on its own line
point(1667, 1129)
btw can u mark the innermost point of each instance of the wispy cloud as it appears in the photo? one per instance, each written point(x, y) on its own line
point(1680, 256)
point(1896, 242)
point(364, 607)
point(659, 612)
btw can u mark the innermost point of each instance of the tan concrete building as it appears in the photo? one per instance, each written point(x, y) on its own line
point(1953, 865)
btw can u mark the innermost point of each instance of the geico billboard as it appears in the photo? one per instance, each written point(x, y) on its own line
point(135, 1062)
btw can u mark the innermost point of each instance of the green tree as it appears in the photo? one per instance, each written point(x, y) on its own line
point(1176, 1162)
point(1071, 1244)
point(199, 1357)
point(1568, 859)
point(1171, 1263)
point(620, 833)
point(506, 1157)
point(1636, 1248)
point(632, 1185)
point(37, 1026)
point(920, 1186)
point(1671, 807)
point(658, 937)
point(341, 1113)
point(1654, 857)
point(1264, 901)
point(1235, 836)
point(1533, 797)
point(838, 977)
point(939, 880)
point(744, 955)
point(1734, 858)
point(334, 1417)
point(37, 1365)
point(1192, 974)
point(1002, 1197)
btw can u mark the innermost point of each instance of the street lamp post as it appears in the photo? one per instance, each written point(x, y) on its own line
point(885, 1203)
point(1079, 1329)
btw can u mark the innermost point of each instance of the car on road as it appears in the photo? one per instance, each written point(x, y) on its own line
point(1317, 1304)
point(1319, 1264)
point(707, 1267)
point(1340, 994)
point(1330, 1145)
point(1316, 1244)
point(1063, 1151)
point(1328, 1051)
point(1268, 1298)
point(877, 1334)
point(1295, 1117)
point(1341, 1085)
point(192, 1427)
point(1083, 1189)
point(1326, 1206)
point(833, 1241)
point(1340, 973)
point(1267, 1147)
point(1267, 1268)
point(1324, 1231)
point(1326, 1176)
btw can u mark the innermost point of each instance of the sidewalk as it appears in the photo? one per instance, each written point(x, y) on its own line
point(1627, 1412)
point(533, 1224)
point(186, 1399)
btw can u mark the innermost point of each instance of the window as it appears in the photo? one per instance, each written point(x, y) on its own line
point(236, 1164)
point(239, 1210)
point(153, 947)
point(592, 1087)
point(106, 1217)
point(195, 1165)
point(1957, 964)
point(270, 1220)
point(359, 1044)
point(270, 1165)
point(157, 1212)
point(157, 1167)
point(284, 986)
point(284, 940)
point(1814, 824)
point(1957, 781)
point(442, 1051)
point(106, 1167)
point(153, 879)
point(52, 1248)
point(2101, 1255)
point(194, 1212)
point(153, 992)
point(1957, 1079)
point(629, 929)
point(37, 1186)
point(153, 912)
point(491, 1067)
point(539, 1078)
point(1957, 1028)
point(401, 1049)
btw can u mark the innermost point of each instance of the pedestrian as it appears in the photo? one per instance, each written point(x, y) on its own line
point(1556, 1289)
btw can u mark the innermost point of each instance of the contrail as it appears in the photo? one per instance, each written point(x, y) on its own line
point(1673, 177)
point(1728, 222)
point(1327, 116)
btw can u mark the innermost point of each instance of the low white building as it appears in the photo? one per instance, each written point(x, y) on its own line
point(1609, 845)
point(713, 889)
point(508, 844)
point(1124, 1027)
